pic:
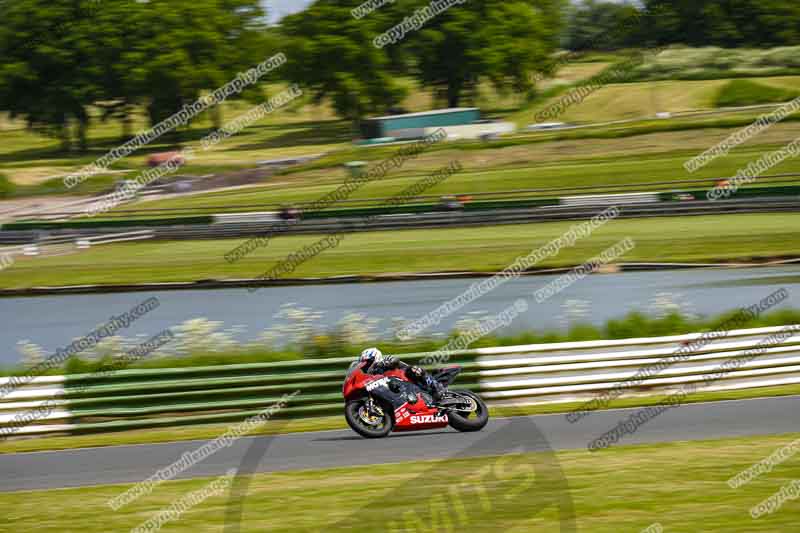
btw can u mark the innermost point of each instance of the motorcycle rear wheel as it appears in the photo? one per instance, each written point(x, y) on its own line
point(366, 425)
point(469, 420)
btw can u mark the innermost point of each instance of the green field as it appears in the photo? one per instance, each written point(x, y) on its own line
point(35, 162)
point(646, 98)
point(627, 488)
point(630, 161)
point(679, 239)
point(579, 158)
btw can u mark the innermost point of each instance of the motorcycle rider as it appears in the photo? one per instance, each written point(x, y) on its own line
point(377, 363)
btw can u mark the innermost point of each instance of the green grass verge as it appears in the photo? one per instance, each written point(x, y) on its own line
point(210, 431)
point(681, 486)
point(487, 249)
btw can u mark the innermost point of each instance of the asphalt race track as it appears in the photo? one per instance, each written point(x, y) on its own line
point(130, 464)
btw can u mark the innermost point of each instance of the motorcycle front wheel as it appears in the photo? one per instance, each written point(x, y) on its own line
point(372, 422)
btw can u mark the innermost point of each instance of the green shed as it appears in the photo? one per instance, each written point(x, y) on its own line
point(413, 125)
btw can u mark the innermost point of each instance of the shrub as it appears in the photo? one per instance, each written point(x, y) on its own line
point(6, 187)
point(745, 92)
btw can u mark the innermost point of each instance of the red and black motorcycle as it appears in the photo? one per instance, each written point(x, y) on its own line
point(376, 404)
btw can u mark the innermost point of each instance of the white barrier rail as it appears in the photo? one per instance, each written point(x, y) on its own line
point(539, 373)
point(88, 242)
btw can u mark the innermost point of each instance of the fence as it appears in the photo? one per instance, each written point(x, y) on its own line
point(432, 218)
point(540, 373)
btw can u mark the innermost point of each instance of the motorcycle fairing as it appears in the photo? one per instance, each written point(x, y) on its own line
point(394, 389)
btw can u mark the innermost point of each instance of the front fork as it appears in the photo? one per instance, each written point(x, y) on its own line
point(373, 408)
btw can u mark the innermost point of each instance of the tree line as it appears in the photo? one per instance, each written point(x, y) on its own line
point(63, 60)
point(723, 23)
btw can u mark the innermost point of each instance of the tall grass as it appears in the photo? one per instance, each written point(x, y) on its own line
point(204, 344)
point(709, 63)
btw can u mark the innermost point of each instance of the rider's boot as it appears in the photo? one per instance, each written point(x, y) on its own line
point(437, 390)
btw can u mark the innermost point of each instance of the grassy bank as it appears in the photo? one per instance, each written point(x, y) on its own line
point(638, 99)
point(486, 249)
point(681, 486)
point(748, 92)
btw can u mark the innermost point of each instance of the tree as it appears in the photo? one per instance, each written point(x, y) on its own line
point(727, 23)
point(59, 59)
point(46, 73)
point(331, 54)
point(186, 47)
point(334, 55)
point(504, 41)
point(596, 25)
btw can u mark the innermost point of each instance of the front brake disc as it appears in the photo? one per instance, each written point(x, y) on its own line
point(369, 418)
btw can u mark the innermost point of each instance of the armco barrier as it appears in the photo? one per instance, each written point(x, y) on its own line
point(129, 399)
point(504, 214)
